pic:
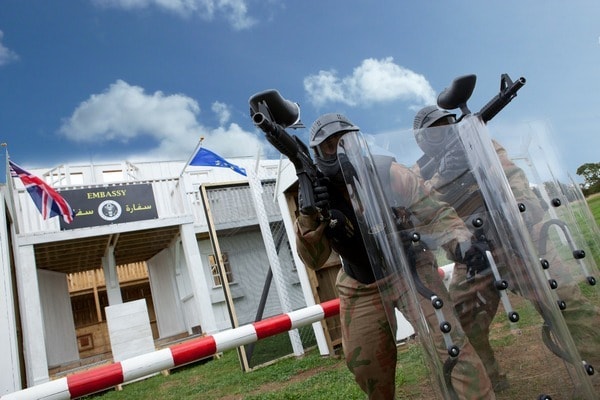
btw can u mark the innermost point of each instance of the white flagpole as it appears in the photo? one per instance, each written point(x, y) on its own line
point(7, 172)
point(198, 146)
point(9, 181)
point(187, 162)
point(278, 177)
point(12, 198)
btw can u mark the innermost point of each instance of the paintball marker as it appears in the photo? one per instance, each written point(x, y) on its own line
point(457, 95)
point(272, 114)
point(461, 88)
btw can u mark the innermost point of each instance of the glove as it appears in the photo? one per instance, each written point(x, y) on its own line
point(321, 194)
point(475, 258)
point(453, 163)
point(340, 228)
point(320, 197)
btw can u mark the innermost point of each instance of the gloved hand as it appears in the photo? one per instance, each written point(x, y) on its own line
point(321, 194)
point(320, 197)
point(453, 163)
point(340, 228)
point(475, 258)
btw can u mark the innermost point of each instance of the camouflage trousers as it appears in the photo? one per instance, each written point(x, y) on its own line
point(369, 343)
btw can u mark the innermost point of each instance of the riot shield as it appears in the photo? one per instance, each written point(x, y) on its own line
point(425, 305)
point(530, 146)
point(566, 237)
point(499, 313)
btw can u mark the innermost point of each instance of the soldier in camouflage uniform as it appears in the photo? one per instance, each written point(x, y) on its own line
point(368, 336)
point(445, 171)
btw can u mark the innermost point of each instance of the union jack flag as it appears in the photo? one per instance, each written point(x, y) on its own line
point(47, 200)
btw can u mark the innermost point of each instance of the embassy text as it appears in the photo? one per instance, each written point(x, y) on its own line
point(106, 194)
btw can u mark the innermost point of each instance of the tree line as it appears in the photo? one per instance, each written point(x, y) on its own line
point(591, 175)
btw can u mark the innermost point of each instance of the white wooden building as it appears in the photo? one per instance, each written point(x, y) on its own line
point(151, 212)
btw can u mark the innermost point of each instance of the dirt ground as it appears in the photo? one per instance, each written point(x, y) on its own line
point(531, 368)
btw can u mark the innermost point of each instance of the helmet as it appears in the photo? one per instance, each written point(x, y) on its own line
point(434, 139)
point(327, 125)
point(429, 115)
point(323, 128)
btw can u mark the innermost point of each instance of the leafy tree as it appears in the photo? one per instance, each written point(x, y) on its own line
point(591, 173)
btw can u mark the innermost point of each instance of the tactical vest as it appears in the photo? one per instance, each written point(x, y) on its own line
point(352, 250)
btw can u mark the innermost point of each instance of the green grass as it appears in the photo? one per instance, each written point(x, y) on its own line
point(216, 379)
point(321, 377)
point(308, 377)
point(590, 291)
point(275, 347)
point(594, 203)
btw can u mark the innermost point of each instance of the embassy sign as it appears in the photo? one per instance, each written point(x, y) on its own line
point(110, 205)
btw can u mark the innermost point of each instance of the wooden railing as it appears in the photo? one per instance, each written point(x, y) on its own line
point(88, 280)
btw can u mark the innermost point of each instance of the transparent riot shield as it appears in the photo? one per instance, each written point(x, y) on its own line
point(402, 285)
point(566, 237)
point(530, 146)
point(499, 313)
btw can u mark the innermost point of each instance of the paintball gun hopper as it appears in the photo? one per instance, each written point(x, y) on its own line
point(283, 112)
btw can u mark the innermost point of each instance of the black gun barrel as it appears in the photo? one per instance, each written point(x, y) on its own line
point(278, 137)
point(290, 146)
point(501, 100)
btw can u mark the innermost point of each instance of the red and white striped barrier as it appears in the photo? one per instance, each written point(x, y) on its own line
point(105, 377)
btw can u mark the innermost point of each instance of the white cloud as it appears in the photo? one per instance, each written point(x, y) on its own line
point(373, 81)
point(182, 7)
point(235, 11)
point(233, 141)
point(6, 55)
point(222, 111)
point(124, 112)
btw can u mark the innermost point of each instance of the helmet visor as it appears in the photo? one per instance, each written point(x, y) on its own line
point(431, 135)
point(434, 119)
point(434, 140)
point(331, 129)
point(327, 149)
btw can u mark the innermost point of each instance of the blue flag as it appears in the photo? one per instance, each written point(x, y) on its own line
point(208, 158)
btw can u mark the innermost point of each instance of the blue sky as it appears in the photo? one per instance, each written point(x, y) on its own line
point(108, 80)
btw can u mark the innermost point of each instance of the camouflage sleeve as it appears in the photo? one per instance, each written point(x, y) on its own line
point(438, 218)
point(311, 243)
point(417, 171)
point(520, 187)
